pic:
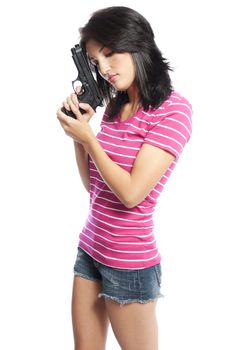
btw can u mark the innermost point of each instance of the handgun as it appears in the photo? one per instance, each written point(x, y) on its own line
point(89, 92)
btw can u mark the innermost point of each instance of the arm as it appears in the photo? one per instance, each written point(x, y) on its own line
point(132, 188)
point(82, 163)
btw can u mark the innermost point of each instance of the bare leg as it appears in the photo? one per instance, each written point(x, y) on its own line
point(89, 315)
point(134, 325)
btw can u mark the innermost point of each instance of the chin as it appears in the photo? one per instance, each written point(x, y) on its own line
point(121, 87)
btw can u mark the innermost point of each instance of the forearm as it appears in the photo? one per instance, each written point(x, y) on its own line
point(116, 178)
point(82, 163)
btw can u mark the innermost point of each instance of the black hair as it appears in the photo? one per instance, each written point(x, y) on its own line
point(122, 29)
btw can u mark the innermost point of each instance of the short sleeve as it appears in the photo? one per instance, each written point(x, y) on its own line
point(171, 128)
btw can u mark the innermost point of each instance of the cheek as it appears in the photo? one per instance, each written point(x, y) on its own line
point(127, 67)
point(129, 74)
point(124, 66)
point(125, 81)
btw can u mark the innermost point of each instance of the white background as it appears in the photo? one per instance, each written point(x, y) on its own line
point(43, 202)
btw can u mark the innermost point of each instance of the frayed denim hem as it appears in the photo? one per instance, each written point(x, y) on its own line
point(127, 301)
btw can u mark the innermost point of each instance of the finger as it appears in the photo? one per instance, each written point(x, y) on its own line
point(75, 100)
point(74, 108)
point(87, 108)
point(66, 105)
point(62, 117)
point(78, 89)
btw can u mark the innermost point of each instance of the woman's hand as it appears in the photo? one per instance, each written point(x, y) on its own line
point(78, 129)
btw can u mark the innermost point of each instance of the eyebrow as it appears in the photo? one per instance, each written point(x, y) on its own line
point(98, 51)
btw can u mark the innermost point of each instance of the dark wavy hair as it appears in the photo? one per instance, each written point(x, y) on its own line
point(122, 29)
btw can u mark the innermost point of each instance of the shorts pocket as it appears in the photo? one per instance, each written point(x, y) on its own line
point(158, 273)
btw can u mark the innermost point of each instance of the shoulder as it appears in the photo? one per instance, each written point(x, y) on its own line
point(178, 103)
point(176, 110)
point(173, 104)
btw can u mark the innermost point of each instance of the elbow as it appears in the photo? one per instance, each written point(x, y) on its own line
point(129, 206)
point(134, 199)
point(130, 203)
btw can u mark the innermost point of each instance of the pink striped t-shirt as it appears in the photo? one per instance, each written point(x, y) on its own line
point(113, 234)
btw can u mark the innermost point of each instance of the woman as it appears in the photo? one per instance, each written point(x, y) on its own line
point(124, 168)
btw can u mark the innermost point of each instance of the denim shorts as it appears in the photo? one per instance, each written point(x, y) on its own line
point(122, 285)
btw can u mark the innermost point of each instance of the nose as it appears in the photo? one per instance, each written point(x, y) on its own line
point(104, 68)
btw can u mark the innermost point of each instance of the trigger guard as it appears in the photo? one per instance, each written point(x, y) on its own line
point(81, 92)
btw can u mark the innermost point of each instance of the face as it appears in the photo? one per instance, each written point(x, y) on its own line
point(117, 68)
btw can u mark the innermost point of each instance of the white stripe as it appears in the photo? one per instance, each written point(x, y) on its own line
point(178, 132)
point(171, 113)
point(177, 121)
point(119, 138)
point(118, 235)
point(109, 200)
point(135, 117)
point(123, 130)
point(121, 219)
point(121, 251)
point(165, 136)
point(152, 198)
point(123, 227)
point(101, 189)
point(116, 145)
point(149, 115)
point(128, 165)
point(115, 242)
point(124, 211)
point(93, 177)
point(119, 154)
point(117, 122)
point(174, 96)
point(155, 190)
point(182, 104)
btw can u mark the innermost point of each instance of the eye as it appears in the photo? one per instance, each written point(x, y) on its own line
point(109, 54)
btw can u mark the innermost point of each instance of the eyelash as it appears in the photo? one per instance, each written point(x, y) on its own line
point(95, 63)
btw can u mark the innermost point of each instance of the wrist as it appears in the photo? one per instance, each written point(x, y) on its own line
point(89, 141)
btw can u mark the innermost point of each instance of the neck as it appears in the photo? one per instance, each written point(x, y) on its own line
point(134, 100)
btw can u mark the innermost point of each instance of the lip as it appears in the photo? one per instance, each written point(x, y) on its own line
point(112, 78)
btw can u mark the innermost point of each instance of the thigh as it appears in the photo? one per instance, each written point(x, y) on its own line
point(89, 314)
point(134, 325)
